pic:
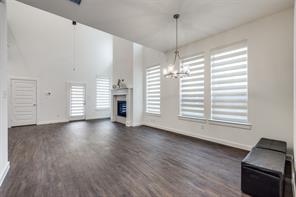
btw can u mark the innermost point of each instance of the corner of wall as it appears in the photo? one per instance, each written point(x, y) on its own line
point(4, 164)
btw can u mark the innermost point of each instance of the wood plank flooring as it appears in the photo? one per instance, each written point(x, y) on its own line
point(100, 158)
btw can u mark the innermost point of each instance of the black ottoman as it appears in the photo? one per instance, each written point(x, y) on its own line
point(270, 144)
point(263, 173)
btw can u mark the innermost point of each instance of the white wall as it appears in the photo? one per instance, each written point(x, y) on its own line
point(138, 76)
point(41, 46)
point(4, 164)
point(294, 114)
point(128, 65)
point(270, 42)
point(122, 61)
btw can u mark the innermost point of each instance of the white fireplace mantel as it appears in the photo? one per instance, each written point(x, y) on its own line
point(120, 94)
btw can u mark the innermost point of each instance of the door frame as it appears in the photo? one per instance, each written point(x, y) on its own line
point(10, 97)
point(69, 83)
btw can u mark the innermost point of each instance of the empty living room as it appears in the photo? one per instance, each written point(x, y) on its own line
point(140, 98)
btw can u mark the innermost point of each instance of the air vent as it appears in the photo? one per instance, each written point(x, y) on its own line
point(78, 2)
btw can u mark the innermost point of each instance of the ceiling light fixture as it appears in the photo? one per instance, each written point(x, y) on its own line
point(172, 72)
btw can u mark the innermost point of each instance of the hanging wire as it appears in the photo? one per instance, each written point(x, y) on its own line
point(74, 44)
point(176, 51)
point(177, 33)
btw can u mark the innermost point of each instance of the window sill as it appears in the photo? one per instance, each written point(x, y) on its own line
point(152, 114)
point(245, 126)
point(200, 120)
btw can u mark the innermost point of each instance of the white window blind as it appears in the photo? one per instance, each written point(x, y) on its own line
point(229, 84)
point(192, 88)
point(77, 100)
point(103, 93)
point(153, 90)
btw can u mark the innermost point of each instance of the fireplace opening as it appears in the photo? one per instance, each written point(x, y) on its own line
point(121, 108)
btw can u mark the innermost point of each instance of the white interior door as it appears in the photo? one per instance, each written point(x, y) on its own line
point(77, 101)
point(24, 102)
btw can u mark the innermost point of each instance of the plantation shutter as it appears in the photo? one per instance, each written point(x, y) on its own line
point(153, 90)
point(229, 84)
point(192, 88)
point(103, 93)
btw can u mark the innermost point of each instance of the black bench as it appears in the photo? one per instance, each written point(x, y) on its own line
point(274, 145)
point(263, 169)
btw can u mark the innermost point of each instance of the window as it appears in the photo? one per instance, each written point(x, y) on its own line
point(192, 88)
point(103, 93)
point(153, 90)
point(77, 101)
point(229, 84)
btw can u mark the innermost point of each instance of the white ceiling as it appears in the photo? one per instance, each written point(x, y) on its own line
point(150, 22)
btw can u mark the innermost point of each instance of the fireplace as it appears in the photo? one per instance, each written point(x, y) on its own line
point(121, 108)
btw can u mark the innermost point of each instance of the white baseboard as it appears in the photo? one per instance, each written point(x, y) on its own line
point(137, 124)
point(207, 138)
point(98, 118)
point(4, 173)
point(51, 122)
point(64, 121)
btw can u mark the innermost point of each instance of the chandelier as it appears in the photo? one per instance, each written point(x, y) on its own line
point(177, 69)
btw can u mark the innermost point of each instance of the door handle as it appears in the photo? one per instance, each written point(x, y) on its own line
point(34, 105)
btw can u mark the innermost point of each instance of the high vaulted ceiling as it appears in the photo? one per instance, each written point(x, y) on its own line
point(150, 22)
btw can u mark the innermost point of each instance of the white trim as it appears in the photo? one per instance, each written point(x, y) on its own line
point(98, 118)
point(24, 78)
point(203, 54)
point(200, 120)
point(202, 137)
point(137, 124)
point(145, 89)
point(101, 77)
point(128, 123)
point(52, 122)
point(44, 122)
point(68, 85)
point(231, 124)
point(4, 172)
point(152, 114)
point(37, 97)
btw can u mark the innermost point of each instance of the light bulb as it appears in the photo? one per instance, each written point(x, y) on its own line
point(171, 68)
point(165, 71)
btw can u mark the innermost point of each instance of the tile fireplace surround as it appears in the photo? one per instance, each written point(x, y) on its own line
point(123, 94)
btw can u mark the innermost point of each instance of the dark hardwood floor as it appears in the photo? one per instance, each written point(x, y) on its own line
point(100, 158)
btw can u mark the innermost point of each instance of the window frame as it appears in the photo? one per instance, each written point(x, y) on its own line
point(243, 125)
point(110, 97)
point(146, 91)
point(195, 119)
point(69, 103)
